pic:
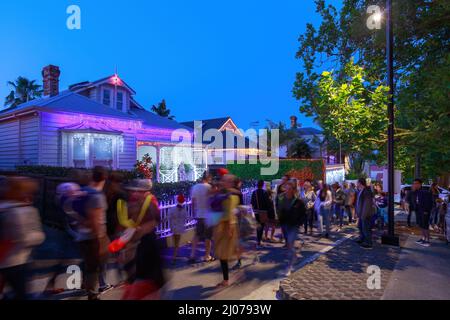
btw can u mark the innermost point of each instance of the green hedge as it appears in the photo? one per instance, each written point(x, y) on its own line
point(298, 168)
point(163, 191)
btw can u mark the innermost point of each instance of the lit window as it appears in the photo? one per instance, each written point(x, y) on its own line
point(119, 100)
point(87, 150)
point(79, 151)
point(107, 97)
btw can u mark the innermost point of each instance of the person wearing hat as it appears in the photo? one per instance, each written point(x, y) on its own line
point(177, 220)
point(142, 214)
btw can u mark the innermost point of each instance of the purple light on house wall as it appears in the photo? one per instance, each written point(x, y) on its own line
point(131, 127)
point(74, 118)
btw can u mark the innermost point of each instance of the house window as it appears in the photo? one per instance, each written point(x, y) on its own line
point(107, 97)
point(79, 151)
point(88, 150)
point(102, 151)
point(119, 100)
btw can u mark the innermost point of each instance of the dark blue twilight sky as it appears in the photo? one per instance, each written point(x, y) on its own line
point(207, 58)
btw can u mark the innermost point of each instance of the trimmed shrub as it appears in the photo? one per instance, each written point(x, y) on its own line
point(300, 169)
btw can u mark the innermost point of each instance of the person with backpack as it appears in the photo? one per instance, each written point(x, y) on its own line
point(20, 232)
point(140, 216)
point(292, 214)
point(88, 215)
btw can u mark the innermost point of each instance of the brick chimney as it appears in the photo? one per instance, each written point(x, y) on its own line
point(293, 121)
point(50, 75)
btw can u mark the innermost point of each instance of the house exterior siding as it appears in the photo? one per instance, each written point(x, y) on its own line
point(19, 142)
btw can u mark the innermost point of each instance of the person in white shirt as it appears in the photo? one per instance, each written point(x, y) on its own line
point(200, 194)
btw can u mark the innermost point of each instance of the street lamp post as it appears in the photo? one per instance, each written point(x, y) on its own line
point(390, 238)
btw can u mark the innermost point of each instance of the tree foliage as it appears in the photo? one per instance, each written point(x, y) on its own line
point(23, 90)
point(162, 110)
point(421, 71)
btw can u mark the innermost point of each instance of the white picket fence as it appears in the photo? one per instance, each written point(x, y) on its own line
point(163, 230)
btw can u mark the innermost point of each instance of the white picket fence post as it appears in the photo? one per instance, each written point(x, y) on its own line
point(163, 230)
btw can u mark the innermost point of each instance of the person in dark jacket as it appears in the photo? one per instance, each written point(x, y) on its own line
point(262, 205)
point(421, 202)
point(364, 211)
point(292, 214)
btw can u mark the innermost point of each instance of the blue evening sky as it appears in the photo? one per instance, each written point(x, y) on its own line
point(207, 58)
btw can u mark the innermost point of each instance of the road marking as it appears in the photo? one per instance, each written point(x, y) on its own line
point(270, 289)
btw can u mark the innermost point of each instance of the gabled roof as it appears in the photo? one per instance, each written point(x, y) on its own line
point(153, 120)
point(216, 123)
point(68, 101)
point(308, 131)
point(87, 84)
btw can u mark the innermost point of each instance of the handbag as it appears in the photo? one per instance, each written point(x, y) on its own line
point(262, 214)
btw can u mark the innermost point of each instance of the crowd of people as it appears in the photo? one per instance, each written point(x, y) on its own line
point(109, 219)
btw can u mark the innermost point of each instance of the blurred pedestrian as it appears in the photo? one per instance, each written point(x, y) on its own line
point(200, 195)
point(88, 213)
point(177, 219)
point(114, 192)
point(323, 206)
point(421, 202)
point(350, 198)
point(271, 223)
point(292, 212)
point(381, 203)
point(226, 232)
point(309, 198)
point(142, 215)
point(339, 203)
point(434, 214)
point(261, 204)
point(20, 232)
point(364, 211)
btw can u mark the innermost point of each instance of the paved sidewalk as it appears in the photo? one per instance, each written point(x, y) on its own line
point(421, 273)
point(341, 274)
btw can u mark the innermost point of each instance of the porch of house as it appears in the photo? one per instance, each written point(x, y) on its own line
point(174, 162)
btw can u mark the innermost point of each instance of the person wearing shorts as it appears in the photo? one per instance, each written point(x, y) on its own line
point(200, 194)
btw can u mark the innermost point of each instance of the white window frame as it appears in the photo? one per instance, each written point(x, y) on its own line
point(110, 96)
point(117, 142)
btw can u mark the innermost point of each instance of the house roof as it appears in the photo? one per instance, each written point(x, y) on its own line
point(87, 84)
point(68, 101)
point(308, 131)
point(215, 123)
point(153, 120)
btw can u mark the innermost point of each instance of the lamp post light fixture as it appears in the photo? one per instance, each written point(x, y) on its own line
point(374, 22)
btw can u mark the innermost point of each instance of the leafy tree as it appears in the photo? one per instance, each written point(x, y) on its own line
point(23, 90)
point(421, 70)
point(162, 110)
point(352, 111)
point(299, 149)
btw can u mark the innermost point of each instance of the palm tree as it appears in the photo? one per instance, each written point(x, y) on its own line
point(24, 90)
point(162, 110)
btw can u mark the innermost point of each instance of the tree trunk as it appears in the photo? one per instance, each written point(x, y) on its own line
point(417, 171)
